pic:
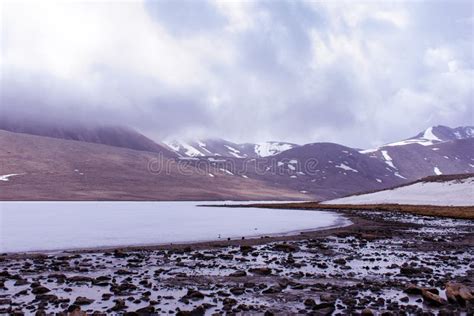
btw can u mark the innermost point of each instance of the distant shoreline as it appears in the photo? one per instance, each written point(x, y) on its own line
point(459, 212)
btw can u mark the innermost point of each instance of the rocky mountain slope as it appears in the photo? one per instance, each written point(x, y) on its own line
point(313, 171)
point(436, 151)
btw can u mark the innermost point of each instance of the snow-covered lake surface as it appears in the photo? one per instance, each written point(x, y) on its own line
point(42, 226)
point(448, 193)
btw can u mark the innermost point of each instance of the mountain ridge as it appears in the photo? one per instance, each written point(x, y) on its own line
point(312, 171)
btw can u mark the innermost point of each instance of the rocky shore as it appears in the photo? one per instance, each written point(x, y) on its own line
point(384, 264)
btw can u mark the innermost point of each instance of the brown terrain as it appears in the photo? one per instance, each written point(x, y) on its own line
point(58, 169)
point(461, 212)
point(56, 161)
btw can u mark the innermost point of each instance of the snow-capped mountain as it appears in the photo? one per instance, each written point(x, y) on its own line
point(432, 135)
point(317, 171)
point(224, 148)
point(437, 150)
point(328, 170)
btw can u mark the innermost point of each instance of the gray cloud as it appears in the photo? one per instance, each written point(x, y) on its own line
point(355, 73)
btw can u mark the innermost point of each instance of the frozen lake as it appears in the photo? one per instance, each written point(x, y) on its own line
point(38, 226)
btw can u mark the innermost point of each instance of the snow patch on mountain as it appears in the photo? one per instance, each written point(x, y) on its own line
point(346, 167)
point(183, 148)
point(428, 134)
point(234, 152)
point(455, 192)
point(388, 159)
point(7, 177)
point(271, 148)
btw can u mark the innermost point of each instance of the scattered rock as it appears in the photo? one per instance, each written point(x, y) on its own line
point(40, 290)
point(193, 295)
point(458, 293)
point(261, 271)
point(81, 300)
point(340, 261)
point(285, 247)
point(272, 289)
point(238, 273)
point(309, 302)
point(432, 299)
point(80, 278)
point(146, 310)
point(237, 290)
point(367, 312)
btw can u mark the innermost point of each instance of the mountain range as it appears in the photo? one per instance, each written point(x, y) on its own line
point(44, 161)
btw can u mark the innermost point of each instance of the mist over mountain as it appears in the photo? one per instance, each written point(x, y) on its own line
point(318, 171)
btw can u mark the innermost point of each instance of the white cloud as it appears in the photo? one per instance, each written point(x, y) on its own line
point(293, 70)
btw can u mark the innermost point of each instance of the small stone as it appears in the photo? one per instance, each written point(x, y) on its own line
point(81, 300)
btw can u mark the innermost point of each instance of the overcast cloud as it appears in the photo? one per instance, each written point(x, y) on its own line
point(360, 74)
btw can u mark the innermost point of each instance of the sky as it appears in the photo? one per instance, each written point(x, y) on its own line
point(356, 73)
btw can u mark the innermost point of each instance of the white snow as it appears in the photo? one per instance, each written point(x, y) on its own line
point(399, 175)
point(291, 167)
point(293, 161)
point(244, 176)
point(386, 155)
point(419, 141)
point(188, 158)
point(457, 193)
point(368, 151)
point(206, 151)
point(226, 171)
point(234, 152)
point(388, 159)
point(30, 226)
point(211, 159)
point(211, 175)
point(378, 180)
point(437, 171)
point(191, 151)
point(188, 149)
point(7, 177)
point(346, 167)
point(267, 149)
point(428, 134)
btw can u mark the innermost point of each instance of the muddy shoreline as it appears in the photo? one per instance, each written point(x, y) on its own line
point(383, 263)
point(460, 212)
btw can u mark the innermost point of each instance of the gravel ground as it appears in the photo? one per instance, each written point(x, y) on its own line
point(385, 263)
